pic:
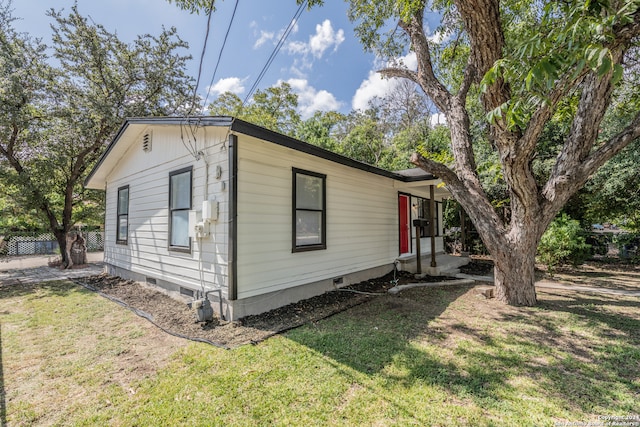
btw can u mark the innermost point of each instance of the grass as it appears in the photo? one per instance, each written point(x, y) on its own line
point(600, 275)
point(425, 357)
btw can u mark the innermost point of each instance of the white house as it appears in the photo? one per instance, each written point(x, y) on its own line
point(194, 204)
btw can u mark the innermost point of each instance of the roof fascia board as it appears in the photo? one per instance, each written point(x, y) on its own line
point(249, 129)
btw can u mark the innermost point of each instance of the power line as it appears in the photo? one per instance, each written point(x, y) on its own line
point(192, 146)
point(224, 42)
point(284, 36)
point(204, 49)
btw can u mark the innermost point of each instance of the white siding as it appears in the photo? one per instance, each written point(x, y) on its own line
point(147, 175)
point(362, 220)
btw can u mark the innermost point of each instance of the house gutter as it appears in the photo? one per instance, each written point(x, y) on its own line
point(233, 218)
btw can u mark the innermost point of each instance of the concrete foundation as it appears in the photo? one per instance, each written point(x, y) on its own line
point(234, 310)
point(445, 264)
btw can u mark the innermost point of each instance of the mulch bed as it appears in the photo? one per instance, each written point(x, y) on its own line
point(177, 318)
point(478, 267)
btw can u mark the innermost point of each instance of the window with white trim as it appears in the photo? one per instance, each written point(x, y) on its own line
point(309, 211)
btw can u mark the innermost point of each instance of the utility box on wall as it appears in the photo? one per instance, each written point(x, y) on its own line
point(196, 227)
point(210, 210)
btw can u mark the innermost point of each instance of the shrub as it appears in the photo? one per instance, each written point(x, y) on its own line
point(627, 244)
point(563, 243)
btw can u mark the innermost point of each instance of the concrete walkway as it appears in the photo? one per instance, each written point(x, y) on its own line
point(552, 284)
point(35, 269)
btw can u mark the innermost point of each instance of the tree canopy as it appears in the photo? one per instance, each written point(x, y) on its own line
point(55, 120)
point(273, 108)
point(532, 66)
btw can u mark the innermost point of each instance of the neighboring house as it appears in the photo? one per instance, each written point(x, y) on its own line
point(218, 203)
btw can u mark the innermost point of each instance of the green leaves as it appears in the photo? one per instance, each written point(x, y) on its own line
point(56, 121)
point(563, 243)
point(274, 108)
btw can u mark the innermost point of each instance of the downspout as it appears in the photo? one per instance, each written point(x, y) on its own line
point(233, 218)
point(206, 163)
point(104, 224)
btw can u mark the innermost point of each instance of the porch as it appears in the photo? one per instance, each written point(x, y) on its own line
point(446, 264)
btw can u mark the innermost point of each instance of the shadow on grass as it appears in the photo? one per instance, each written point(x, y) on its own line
point(486, 357)
point(375, 335)
point(59, 288)
point(369, 336)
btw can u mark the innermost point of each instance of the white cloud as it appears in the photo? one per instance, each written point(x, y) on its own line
point(265, 36)
point(295, 28)
point(324, 38)
point(230, 84)
point(297, 48)
point(377, 86)
point(310, 99)
point(374, 86)
point(439, 37)
point(270, 36)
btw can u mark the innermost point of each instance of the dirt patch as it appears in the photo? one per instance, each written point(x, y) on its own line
point(478, 267)
point(177, 318)
point(598, 274)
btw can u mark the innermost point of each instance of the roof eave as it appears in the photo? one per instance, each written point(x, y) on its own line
point(250, 129)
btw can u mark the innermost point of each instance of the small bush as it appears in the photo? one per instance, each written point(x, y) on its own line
point(628, 244)
point(599, 243)
point(563, 243)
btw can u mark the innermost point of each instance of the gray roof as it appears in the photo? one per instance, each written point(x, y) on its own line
point(240, 126)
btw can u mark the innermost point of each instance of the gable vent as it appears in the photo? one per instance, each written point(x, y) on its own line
point(146, 142)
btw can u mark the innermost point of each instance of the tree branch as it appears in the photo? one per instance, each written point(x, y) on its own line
point(41, 201)
point(403, 73)
point(542, 115)
point(470, 195)
point(593, 103)
point(425, 75)
point(467, 80)
point(558, 191)
point(612, 147)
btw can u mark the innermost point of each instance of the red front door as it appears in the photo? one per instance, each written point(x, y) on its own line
point(405, 231)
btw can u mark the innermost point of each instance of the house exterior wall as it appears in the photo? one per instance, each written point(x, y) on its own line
point(362, 234)
point(146, 254)
point(362, 221)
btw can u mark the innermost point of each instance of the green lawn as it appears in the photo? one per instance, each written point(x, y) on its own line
point(425, 357)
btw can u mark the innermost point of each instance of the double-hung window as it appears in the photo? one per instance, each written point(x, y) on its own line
point(122, 227)
point(179, 206)
point(309, 211)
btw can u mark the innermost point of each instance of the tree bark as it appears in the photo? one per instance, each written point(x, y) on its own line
point(61, 238)
point(514, 273)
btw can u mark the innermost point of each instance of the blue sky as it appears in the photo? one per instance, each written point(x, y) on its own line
point(322, 59)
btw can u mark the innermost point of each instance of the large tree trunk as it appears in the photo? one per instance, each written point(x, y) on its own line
point(61, 238)
point(514, 274)
point(513, 241)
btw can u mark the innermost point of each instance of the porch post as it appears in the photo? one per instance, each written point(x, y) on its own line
point(463, 231)
point(418, 251)
point(432, 223)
